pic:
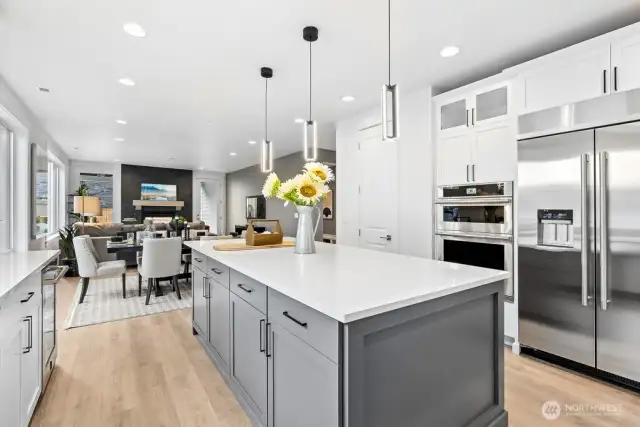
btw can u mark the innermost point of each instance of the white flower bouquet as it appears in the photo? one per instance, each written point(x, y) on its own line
point(305, 189)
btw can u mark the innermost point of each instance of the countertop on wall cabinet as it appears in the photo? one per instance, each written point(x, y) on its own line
point(348, 283)
point(17, 266)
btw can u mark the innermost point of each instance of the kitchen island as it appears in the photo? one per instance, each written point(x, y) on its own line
point(350, 337)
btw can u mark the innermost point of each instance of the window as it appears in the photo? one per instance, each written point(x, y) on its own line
point(6, 189)
point(55, 196)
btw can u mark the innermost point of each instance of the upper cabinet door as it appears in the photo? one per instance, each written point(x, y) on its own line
point(625, 64)
point(454, 159)
point(494, 154)
point(454, 117)
point(490, 105)
point(582, 77)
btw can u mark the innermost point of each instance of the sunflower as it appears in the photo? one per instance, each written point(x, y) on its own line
point(289, 191)
point(271, 185)
point(310, 190)
point(319, 171)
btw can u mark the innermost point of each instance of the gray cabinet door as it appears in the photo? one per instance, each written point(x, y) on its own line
point(200, 302)
point(248, 357)
point(303, 384)
point(219, 319)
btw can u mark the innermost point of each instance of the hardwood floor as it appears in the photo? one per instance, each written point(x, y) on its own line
point(151, 372)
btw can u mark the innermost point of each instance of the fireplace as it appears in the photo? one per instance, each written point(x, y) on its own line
point(160, 211)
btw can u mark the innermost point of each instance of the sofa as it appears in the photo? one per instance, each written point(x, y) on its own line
point(101, 233)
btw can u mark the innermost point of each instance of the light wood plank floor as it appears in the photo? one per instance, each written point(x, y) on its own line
point(151, 372)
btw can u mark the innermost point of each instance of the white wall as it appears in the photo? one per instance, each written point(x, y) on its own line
point(77, 167)
point(415, 174)
point(27, 129)
point(222, 202)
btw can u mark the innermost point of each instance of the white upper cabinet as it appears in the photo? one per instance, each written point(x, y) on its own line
point(573, 79)
point(490, 104)
point(454, 159)
point(494, 154)
point(454, 116)
point(625, 64)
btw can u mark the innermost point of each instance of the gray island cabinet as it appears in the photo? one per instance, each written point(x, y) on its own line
point(351, 337)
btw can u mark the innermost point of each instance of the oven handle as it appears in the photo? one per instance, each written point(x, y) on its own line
point(475, 202)
point(477, 236)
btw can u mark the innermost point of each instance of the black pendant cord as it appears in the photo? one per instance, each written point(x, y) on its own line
point(266, 110)
point(389, 42)
point(310, 71)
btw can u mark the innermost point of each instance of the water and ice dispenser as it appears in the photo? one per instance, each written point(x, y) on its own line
point(555, 227)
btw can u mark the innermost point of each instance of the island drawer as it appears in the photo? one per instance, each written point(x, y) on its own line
point(316, 329)
point(218, 272)
point(250, 290)
point(199, 261)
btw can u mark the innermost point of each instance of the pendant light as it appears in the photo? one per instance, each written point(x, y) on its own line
point(266, 161)
point(390, 91)
point(310, 34)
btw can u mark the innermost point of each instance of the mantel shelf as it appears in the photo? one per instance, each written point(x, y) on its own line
point(139, 204)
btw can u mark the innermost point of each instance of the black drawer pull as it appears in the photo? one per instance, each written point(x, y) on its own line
point(286, 314)
point(28, 298)
point(198, 259)
point(217, 270)
point(247, 290)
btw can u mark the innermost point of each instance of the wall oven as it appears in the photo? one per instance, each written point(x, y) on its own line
point(474, 226)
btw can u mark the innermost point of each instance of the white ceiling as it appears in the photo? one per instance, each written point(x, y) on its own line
point(200, 64)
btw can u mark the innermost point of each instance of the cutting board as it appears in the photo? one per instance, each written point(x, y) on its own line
point(244, 247)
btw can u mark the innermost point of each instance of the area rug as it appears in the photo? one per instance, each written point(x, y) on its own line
point(104, 303)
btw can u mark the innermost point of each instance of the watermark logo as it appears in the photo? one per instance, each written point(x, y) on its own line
point(551, 410)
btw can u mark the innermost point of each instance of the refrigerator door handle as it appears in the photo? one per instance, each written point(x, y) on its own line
point(604, 237)
point(584, 219)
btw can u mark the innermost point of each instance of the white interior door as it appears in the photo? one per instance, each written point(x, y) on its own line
point(378, 196)
point(211, 204)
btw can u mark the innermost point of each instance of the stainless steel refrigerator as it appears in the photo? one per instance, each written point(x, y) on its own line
point(578, 205)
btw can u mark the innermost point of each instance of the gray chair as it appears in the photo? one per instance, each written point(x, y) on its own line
point(160, 258)
point(90, 266)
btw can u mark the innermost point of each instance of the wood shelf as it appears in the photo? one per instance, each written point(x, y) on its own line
point(139, 204)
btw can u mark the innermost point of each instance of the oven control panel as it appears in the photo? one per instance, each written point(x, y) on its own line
point(555, 227)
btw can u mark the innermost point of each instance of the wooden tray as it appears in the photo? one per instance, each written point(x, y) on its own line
point(245, 247)
point(255, 239)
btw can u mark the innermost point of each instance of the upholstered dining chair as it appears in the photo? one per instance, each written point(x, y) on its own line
point(89, 265)
point(160, 258)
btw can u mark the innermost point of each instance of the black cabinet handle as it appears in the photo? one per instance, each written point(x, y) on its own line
point(269, 335)
point(247, 290)
point(615, 78)
point(473, 117)
point(28, 298)
point(29, 320)
point(198, 259)
point(604, 81)
point(467, 115)
point(286, 314)
point(217, 271)
point(262, 322)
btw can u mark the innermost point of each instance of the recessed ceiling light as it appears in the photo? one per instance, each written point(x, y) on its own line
point(252, 142)
point(119, 139)
point(44, 89)
point(449, 51)
point(233, 154)
point(348, 98)
point(134, 29)
point(299, 120)
point(121, 122)
point(127, 81)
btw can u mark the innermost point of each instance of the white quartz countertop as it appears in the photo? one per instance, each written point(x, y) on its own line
point(17, 266)
point(348, 283)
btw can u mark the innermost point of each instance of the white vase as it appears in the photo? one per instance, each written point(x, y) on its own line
point(305, 236)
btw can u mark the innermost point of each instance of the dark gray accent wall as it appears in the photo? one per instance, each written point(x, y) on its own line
point(134, 176)
point(249, 182)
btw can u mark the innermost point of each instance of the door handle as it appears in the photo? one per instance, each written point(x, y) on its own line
point(198, 259)
point(204, 292)
point(604, 81)
point(473, 173)
point(473, 117)
point(387, 237)
point(262, 323)
point(29, 320)
point(269, 336)
point(293, 319)
point(615, 78)
point(584, 219)
point(468, 174)
point(604, 234)
point(467, 116)
point(27, 298)
point(217, 271)
point(244, 288)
